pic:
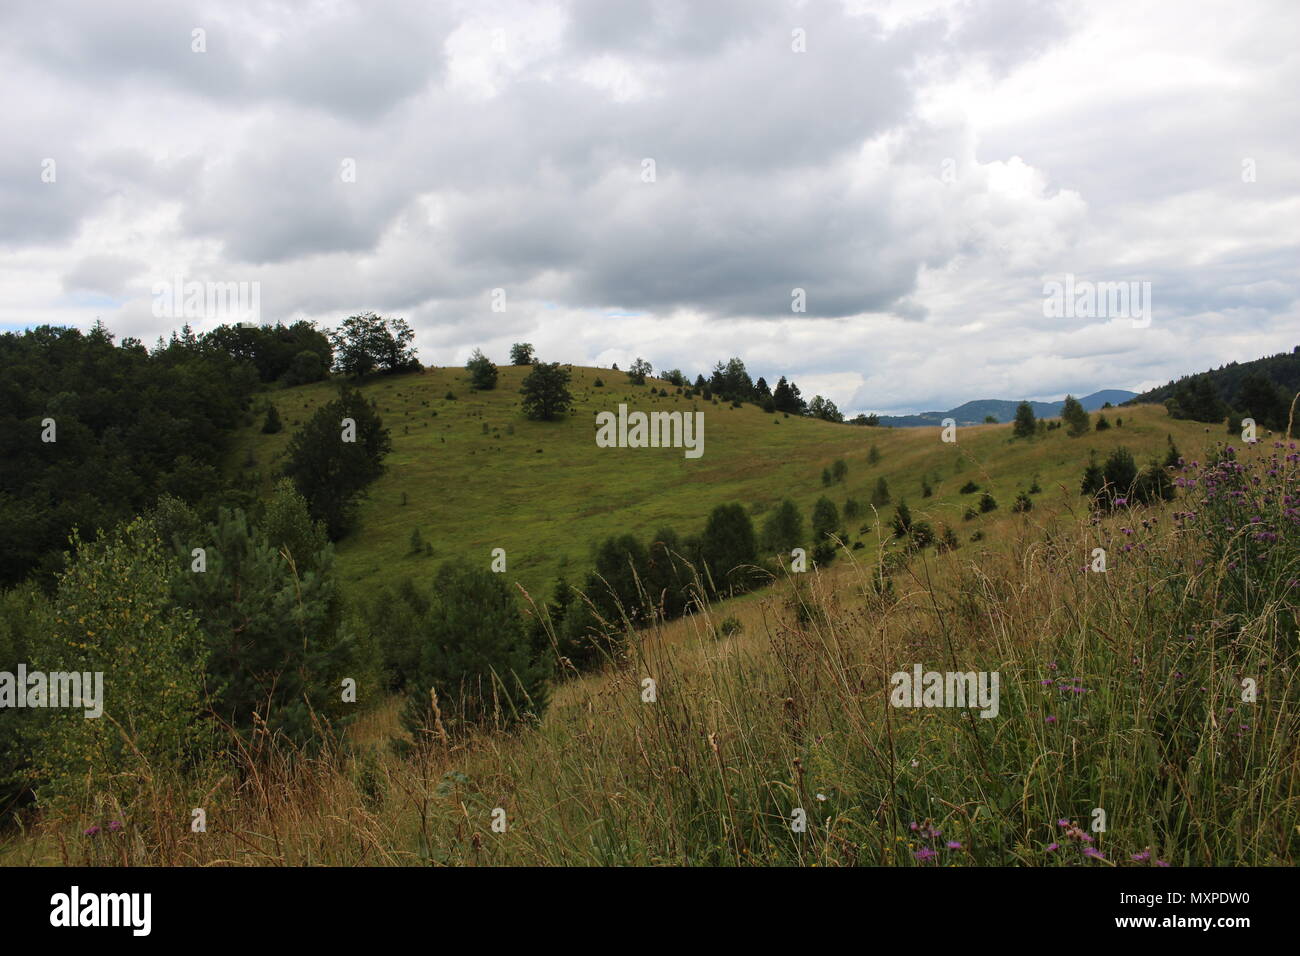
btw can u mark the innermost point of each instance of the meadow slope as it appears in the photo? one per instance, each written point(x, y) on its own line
point(475, 474)
point(1121, 692)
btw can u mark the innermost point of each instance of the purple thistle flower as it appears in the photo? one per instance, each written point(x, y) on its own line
point(92, 831)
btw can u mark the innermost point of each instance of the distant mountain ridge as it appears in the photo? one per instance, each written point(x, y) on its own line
point(974, 413)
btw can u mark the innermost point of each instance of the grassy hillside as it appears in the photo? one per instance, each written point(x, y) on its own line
point(545, 492)
point(1121, 692)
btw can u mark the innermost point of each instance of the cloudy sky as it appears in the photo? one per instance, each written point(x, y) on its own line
point(656, 179)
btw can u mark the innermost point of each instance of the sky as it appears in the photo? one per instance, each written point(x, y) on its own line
point(873, 198)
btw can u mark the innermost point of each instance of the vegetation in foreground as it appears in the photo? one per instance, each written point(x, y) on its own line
point(1127, 691)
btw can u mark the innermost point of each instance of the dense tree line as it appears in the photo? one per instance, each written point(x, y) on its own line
point(92, 432)
point(1261, 389)
point(289, 354)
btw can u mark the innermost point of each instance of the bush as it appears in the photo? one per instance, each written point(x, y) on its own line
point(729, 626)
point(783, 529)
point(272, 423)
point(948, 540)
point(394, 618)
point(482, 372)
point(987, 502)
point(269, 608)
point(969, 488)
point(1094, 479)
point(728, 547)
point(1120, 473)
point(825, 520)
point(902, 520)
point(920, 535)
point(23, 614)
point(1023, 503)
point(113, 612)
point(475, 654)
point(880, 495)
point(1075, 417)
point(307, 366)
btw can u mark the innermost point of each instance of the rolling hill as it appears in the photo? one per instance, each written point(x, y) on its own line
point(473, 474)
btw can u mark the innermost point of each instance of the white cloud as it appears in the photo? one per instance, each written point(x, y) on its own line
point(919, 171)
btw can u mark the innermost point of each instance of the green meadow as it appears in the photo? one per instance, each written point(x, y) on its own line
point(473, 474)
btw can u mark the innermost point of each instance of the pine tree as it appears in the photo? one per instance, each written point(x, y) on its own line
point(902, 521)
point(476, 656)
point(482, 373)
point(1075, 417)
point(1120, 472)
point(270, 609)
point(880, 496)
point(825, 519)
point(728, 547)
point(783, 529)
point(1025, 424)
point(272, 424)
point(1093, 479)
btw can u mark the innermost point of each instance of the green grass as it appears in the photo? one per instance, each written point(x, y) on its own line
point(546, 493)
point(1120, 691)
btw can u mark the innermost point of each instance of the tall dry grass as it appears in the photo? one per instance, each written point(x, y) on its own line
point(1119, 691)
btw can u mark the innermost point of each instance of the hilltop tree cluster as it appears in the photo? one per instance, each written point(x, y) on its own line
point(367, 343)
